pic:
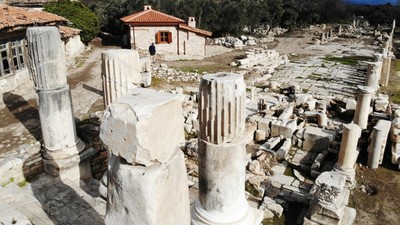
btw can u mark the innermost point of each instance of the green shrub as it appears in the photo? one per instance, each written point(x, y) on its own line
point(79, 15)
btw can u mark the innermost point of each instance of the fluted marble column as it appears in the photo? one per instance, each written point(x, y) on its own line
point(222, 153)
point(120, 73)
point(363, 106)
point(348, 151)
point(63, 150)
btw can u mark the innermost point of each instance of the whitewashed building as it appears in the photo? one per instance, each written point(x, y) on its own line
point(171, 35)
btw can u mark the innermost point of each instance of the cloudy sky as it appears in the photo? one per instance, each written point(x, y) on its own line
point(372, 2)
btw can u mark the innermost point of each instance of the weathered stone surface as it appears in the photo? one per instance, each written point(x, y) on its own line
point(64, 151)
point(348, 151)
point(381, 103)
point(284, 128)
point(222, 139)
point(152, 195)
point(284, 149)
point(377, 143)
point(260, 135)
point(363, 106)
point(136, 120)
point(221, 111)
point(120, 73)
point(329, 202)
point(264, 124)
point(9, 216)
point(317, 139)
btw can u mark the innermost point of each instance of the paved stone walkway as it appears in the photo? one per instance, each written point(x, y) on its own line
point(47, 201)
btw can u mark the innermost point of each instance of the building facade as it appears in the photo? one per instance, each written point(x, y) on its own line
point(14, 22)
point(170, 34)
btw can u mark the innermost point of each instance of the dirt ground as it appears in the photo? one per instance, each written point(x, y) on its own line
point(376, 196)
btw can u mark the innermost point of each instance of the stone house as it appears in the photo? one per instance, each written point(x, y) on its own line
point(171, 35)
point(13, 51)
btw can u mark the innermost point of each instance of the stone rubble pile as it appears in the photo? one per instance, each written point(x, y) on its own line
point(171, 74)
point(237, 43)
point(262, 60)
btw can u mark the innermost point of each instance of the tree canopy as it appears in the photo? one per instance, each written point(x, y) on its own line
point(79, 15)
point(232, 16)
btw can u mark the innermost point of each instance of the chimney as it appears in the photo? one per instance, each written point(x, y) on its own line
point(147, 7)
point(192, 21)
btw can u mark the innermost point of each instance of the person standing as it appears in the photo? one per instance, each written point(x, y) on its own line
point(152, 51)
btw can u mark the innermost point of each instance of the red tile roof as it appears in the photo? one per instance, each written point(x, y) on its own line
point(11, 17)
point(195, 30)
point(151, 16)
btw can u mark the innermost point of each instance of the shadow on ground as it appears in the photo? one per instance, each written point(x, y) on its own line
point(64, 202)
point(24, 112)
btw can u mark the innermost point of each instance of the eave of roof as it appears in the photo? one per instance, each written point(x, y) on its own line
point(195, 30)
point(12, 17)
point(67, 32)
point(151, 16)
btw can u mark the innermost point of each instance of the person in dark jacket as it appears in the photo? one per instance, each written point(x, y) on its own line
point(152, 51)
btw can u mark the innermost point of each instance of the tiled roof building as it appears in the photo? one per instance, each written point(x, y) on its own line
point(171, 35)
point(13, 51)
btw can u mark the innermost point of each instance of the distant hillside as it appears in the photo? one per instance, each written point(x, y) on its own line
point(371, 2)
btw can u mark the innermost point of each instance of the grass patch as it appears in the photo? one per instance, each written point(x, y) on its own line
point(393, 88)
point(305, 90)
point(23, 183)
point(8, 182)
point(274, 220)
point(348, 60)
point(288, 172)
point(206, 68)
point(314, 76)
point(157, 82)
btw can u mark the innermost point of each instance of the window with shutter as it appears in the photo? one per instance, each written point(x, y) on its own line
point(164, 37)
point(158, 38)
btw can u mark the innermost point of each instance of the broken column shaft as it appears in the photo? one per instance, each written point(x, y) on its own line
point(386, 64)
point(348, 151)
point(363, 106)
point(120, 73)
point(377, 145)
point(222, 153)
point(63, 150)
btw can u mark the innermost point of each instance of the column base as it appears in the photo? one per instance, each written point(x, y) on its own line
point(350, 175)
point(72, 163)
point(201, 217)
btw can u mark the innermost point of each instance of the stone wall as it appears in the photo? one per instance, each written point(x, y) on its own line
point(191, 43)
point(21, 164)
point(183, 42)
point(10, 82)
point(144, 36)
point(73, 47)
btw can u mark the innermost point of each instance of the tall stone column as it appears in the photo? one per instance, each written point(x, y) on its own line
point(386, 64)
point(348, 151)
point(147, 182)
point(363, 106)
point(222, 153)
point(120, 73)
point(63, 153)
